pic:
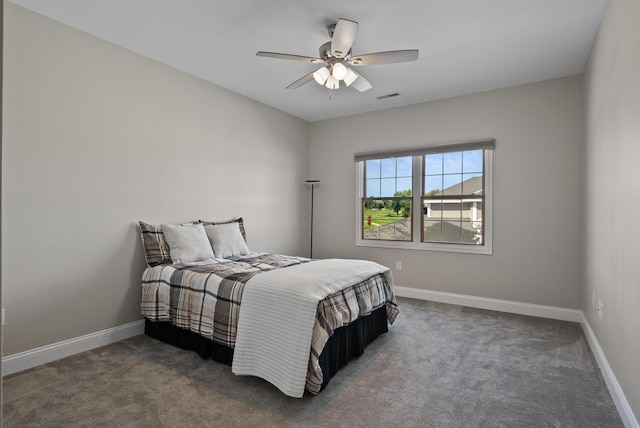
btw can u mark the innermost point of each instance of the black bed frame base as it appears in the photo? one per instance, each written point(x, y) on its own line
point(346, 343)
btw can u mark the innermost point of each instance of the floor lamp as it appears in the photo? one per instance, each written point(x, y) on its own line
point(313, 184)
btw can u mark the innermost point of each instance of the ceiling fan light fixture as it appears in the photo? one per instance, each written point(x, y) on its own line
point(321, 75)
point(339, 71)
point(335, 57)
point(332, 83)
point(350, 76)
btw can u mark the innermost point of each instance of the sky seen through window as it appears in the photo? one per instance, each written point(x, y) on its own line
point(385, 177)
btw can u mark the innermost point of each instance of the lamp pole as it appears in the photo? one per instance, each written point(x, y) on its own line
point(313, 184)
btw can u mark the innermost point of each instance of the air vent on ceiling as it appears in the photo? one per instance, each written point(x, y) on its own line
point(382, 97)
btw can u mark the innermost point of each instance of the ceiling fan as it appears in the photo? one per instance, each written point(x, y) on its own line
point(336, 57)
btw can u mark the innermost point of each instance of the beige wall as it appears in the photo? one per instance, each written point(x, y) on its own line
point(612, 136)
point(536, 255)
point(97, 138)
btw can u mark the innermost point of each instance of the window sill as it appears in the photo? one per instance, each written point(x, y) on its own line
point(448, 248)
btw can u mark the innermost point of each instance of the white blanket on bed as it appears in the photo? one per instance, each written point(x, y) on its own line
point(277, 314)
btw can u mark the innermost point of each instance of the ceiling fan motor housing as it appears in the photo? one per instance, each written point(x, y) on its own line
point(326, 54)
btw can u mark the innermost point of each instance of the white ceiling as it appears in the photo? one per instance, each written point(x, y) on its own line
point(466, 46)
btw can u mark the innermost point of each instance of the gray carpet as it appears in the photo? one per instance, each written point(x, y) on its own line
point(439, 366)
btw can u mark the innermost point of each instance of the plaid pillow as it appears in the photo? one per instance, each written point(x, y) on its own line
point(238, 220)
point(156, 250)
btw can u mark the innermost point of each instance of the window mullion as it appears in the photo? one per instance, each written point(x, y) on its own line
point(416, 192)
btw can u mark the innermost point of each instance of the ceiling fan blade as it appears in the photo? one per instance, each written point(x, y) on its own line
point(344, 34)
point(388, 57)
point(289, 56)
point(361, 84)
point(302, 81)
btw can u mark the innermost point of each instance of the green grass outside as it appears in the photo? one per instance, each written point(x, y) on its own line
point(380, 217)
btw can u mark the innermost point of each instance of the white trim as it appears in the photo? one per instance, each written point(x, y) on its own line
point(624, 409)
point(552, 312)
point(46, 354)
point(424, 246)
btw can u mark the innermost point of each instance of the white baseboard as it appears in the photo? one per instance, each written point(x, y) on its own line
point(46, 354)
point(624, 409)
point(552, 312)
point(622, 405)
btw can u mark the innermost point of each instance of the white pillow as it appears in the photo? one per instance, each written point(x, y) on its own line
point(187, 242)
point(226, 240)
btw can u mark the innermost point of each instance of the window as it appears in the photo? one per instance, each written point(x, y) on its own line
point(431, 198)
point(453, 197)
point(387, 206)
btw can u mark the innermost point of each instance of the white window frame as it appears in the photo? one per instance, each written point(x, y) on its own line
point(416, 244)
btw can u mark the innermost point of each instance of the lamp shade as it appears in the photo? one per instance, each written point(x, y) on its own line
point(332, 83)
point(321, 75)
point(339, 71)
point(350, 76)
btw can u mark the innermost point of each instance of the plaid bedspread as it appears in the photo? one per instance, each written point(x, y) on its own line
point(205, 298)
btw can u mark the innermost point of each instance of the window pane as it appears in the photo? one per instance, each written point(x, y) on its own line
point(404, 166)
point(432, 209)
point(393, 175)
point(373, 204)
point(387, 186)
point(372, 188)
point(442, 220)
point(388, 167)
point(472, 161)
point(432, 231)
point(452, 184)
point(472, 233)
point(451, 231)
point(432, 185)
point(448, 232)
point(472, 184)
point(404, 185)
point(451, 210)
point(387, 220)
point(452, 221)
point(373, 168)
point(452, 163)
point(472, 210)
point(433, 164)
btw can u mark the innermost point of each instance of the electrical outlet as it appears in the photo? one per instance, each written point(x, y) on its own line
point(593, 300)
point(398, 265)
point(600, 309)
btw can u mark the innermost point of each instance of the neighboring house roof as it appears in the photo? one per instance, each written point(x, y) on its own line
point(444, 231)
point(470, 186)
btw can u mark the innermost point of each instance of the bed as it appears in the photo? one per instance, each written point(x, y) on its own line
point(290, 320)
